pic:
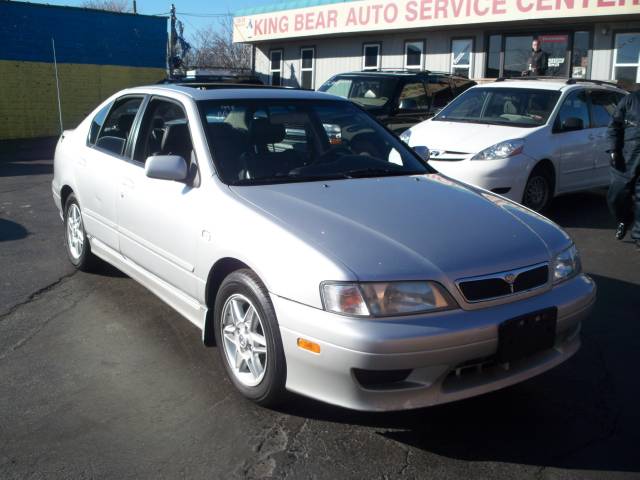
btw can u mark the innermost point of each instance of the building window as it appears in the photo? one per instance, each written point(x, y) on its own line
point(371, 56)
point(580, 55)
point(307, 64)
point(461, 51)
point(413, 55)
point(626, 60)
point(493, 56)
point(275, 67)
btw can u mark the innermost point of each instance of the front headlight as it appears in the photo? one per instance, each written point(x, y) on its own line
point(382, 299)
point(501, 150)
point(566, 264)
point(406, 136)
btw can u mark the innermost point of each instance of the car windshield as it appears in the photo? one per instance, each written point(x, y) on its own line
point(257, 142)
point(516, 107)
point(369, 92)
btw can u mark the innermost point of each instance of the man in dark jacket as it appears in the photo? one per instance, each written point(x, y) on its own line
point(538, 61)
point(624, 147)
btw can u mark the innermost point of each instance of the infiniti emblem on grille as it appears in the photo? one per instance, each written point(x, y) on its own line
point(510, 278)
point(435, 153)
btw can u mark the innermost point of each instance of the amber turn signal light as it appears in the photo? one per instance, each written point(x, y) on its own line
point(308, 345)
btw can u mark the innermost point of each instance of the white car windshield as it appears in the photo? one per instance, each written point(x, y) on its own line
point(272, 141)
point(517, 107)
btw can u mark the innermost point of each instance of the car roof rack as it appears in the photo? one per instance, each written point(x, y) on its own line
point(228, 85)
point(531, 77)
point(573, 81)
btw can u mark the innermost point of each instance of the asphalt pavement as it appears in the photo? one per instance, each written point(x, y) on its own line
point(100, 379)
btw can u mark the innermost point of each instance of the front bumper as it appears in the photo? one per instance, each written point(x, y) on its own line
point(448, 353)
point(507, 177)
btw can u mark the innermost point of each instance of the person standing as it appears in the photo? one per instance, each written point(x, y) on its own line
point(538, 62)
point(624, 147)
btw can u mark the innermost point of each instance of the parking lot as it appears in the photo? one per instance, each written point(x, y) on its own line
point(100, 379)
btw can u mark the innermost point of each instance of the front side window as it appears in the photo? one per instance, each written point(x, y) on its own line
point(164, 131)
point(461, 52)
point(117, 127)
point(275, 67)
point(575, 106)
point(368, 91)
point(413, 97)
point(371, 56)
point(626, 66)
point(413, 55)
point(96, 124)
point(516, 107)
point(307, 64)
point(272, 141)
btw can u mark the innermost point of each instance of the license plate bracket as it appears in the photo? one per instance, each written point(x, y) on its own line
point(526, 335)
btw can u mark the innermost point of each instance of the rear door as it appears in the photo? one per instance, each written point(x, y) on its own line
point(603, 104)
point(100, 167)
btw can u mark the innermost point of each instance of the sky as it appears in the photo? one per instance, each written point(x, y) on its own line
point(194, 14)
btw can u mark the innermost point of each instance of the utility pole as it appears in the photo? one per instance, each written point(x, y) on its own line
point(172, 40)
point(135, 7)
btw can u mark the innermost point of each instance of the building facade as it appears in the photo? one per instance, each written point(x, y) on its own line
point(304, 42)
point(97, 53)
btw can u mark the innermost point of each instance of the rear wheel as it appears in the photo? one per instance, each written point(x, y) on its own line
point(76, 241)
point(248, 338)
point(538, 192)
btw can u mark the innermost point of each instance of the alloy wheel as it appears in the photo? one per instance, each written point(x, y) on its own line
point(75, 231)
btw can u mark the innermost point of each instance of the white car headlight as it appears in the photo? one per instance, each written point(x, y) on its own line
point(381, 299)
point(501, 150)
point(566, 264)
point(406, 136)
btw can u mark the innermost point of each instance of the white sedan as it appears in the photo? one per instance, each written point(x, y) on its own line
point(527, 140)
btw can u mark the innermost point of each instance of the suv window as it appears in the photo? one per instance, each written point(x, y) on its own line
point(96, 124)
point(164, 131)
point(603, 104)
point(368, 91)
point(439, 90)
point(413, 97)
point(117, 127)
point(574, 106)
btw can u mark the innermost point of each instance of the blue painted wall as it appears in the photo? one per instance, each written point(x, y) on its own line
point(81, 36)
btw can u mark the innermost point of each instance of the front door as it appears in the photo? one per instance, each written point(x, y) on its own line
point(157, 219)
point(573, 147)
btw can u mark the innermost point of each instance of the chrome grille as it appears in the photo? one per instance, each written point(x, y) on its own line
point(503, 284)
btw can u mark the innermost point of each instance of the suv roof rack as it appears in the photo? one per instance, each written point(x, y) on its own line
point(228, 85)
point(573, 81)
point(502, 79)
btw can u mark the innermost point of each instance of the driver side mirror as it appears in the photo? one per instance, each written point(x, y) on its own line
point(571, 124)
point(166, 167)
point(423, 152)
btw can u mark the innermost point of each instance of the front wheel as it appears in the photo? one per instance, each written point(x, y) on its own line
point(248, 338)
point(538, 192)
point(76, 241)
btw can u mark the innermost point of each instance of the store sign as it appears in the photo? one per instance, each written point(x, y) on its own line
point(372, 15)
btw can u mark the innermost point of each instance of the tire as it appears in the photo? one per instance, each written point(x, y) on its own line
point(75, 237)
point(250, 348)
point(538, 191)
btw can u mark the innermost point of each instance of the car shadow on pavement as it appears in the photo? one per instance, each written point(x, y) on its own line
point(580, 415)
point(592, 208)
point(10, 230)
point(22, 168)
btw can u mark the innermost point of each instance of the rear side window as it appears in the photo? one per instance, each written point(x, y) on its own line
point(96, 124)
point(413, 97)
point(603, 104)
point(439, 89)
point(117, 127)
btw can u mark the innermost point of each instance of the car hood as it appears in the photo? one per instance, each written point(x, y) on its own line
point(463, 137)
point(408, 227)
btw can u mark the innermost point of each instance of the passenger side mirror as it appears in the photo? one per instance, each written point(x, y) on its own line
point(571, 124)
point(166, 167)
point(423, 152)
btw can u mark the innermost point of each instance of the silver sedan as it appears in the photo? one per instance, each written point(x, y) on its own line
point(317, 251)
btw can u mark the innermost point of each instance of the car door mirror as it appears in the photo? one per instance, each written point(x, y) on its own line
point(423, 152)
point(571, 124)
point(166, 167)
